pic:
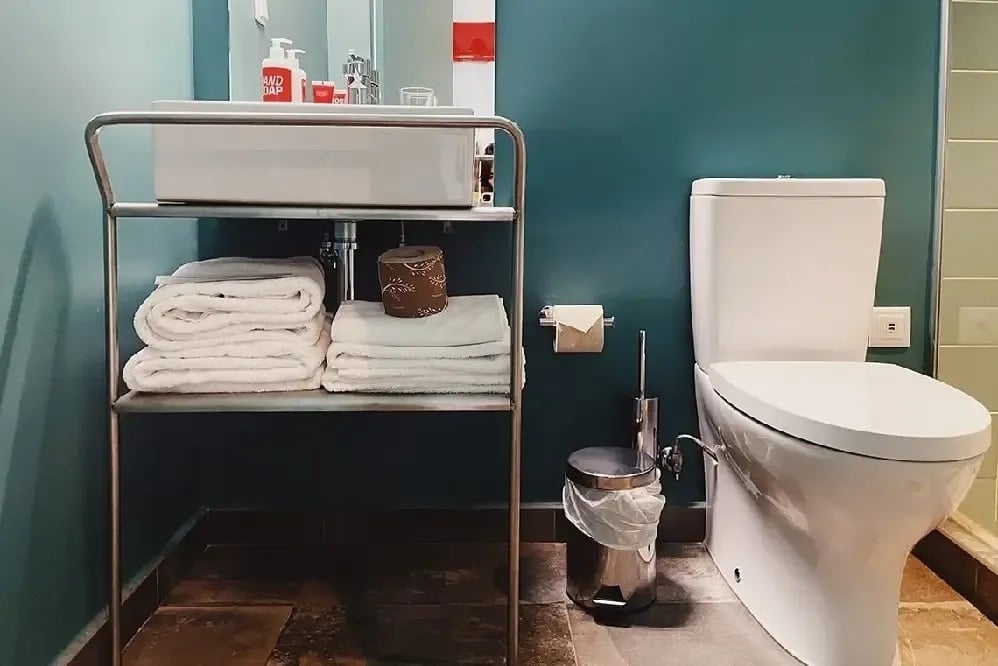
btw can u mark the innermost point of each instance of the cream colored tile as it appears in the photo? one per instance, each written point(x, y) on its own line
point(968, 311)
point(979, 504)
point(971, 105)
point(973, 370)
point(971, 174)
point(973, 43)
point(989, 466)
point(970, 242)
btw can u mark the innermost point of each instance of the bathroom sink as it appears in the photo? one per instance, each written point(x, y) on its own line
point(320, 166)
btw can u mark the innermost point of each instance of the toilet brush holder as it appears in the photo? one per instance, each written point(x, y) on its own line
point(669, 458)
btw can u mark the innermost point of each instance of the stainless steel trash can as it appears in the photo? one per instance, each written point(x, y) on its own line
point(599, 577)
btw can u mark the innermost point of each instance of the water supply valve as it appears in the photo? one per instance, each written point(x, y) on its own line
point(671, 459)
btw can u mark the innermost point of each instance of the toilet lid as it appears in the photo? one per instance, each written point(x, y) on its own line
point(873, 409)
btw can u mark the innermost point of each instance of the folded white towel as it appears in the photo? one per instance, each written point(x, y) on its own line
point(231, 368)
point(357, 351)
point(468, 320)
point(356, 367)
point(234, 300)
point(443, 383)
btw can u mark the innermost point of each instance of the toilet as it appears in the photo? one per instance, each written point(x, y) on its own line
point(822, 470)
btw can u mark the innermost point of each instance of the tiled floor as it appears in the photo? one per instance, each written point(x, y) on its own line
point(443, 604)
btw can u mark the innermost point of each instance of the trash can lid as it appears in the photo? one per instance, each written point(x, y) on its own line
point(610, 468)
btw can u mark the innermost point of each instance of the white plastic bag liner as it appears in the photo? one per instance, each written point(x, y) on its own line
point(618, 519)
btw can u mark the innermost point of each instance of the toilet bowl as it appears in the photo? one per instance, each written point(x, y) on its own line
point(812, 535)
point(822, 470)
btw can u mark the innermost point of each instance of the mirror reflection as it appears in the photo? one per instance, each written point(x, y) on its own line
point(389, 52)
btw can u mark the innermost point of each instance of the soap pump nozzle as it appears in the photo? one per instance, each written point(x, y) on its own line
point(277, 45)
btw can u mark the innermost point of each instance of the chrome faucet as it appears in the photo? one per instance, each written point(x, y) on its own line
point(363, 82)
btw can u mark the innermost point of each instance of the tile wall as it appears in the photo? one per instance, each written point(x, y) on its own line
point(968, 303)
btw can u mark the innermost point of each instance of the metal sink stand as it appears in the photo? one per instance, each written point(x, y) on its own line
point(307, 401)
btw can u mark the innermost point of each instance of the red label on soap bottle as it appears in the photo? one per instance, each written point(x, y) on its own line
point(276, 84)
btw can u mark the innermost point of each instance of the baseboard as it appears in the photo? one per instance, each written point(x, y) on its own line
point(539, 522)
point(141, 596)
point(968, 562)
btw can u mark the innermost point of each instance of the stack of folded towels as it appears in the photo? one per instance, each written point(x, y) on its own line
point(233, 325)
point(464, 349)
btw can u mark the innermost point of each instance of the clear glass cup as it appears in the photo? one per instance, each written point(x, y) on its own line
point(417, 96)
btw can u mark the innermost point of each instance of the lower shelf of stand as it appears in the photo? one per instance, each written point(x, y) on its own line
point(309, 401)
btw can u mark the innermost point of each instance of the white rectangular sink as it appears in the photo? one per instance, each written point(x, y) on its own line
point(320, 166)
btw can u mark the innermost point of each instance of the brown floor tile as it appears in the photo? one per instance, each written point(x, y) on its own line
point(545, 636)
point(441, 573)
point(423, 634)
point(318, 655)
point(401, 634)
point(687, 574)
point(209, 636)
point(234, 593)
point(320, 594)
point(711, 634)
point(954, 634)
point(919, 584)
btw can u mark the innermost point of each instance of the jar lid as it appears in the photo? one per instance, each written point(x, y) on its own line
point(610, 468)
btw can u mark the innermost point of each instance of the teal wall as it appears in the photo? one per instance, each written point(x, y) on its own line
point(623, 104)
point(76, 59)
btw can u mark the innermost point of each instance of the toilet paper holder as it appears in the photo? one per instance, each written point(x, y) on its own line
point(547, 321)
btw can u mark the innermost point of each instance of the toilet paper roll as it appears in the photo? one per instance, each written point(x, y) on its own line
point(413, 281)
point(578, 328)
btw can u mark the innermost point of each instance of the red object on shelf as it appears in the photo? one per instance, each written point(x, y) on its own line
point(475, 42)
point(323, 91)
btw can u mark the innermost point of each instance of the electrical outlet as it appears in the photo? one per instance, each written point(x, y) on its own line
point(890, 327)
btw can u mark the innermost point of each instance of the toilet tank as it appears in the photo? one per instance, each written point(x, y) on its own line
point(783, 269)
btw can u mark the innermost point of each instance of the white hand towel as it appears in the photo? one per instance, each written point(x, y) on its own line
point(468, 320)
point(358, 367)
point(341, 349)
point(235, 300)
point(456, 389)
point(443, 383)
point(232, 368)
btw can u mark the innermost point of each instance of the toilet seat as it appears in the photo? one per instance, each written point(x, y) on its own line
point(872, 409)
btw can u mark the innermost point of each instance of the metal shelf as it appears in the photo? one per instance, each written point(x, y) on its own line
point(188, 210)
point(308, 401)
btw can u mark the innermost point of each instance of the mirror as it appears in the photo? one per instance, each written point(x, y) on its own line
point(413, 52)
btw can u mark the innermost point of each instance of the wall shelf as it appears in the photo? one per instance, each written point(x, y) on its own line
point(307, 401)
point(324, 213)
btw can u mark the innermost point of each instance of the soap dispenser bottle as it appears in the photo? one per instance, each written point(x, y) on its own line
point(276, 73)
point(298, 76)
